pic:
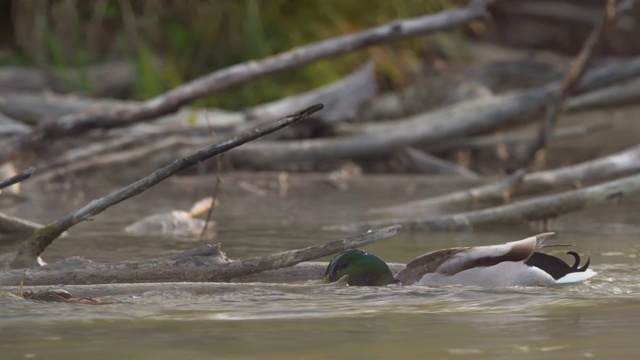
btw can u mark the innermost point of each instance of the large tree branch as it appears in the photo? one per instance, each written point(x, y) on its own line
point(202, 264)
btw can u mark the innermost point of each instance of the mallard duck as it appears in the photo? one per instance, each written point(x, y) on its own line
point(510, 264)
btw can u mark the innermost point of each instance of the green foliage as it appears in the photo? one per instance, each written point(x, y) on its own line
point(194, 37)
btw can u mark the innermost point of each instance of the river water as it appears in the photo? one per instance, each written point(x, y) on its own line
point(596, 319)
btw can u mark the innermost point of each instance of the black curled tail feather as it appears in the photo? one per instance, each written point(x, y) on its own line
point(576, 259)
point(586, 265)
point(555, 266)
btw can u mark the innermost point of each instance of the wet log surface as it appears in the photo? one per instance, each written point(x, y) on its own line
point(203, 264)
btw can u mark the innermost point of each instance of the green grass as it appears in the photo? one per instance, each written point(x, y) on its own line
point(192, 38)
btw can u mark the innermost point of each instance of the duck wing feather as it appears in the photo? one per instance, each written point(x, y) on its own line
point(454, 260)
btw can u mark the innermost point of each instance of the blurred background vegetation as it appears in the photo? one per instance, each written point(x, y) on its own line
point(171, 42)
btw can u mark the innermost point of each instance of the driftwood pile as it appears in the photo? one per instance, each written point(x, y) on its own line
point(355, 125)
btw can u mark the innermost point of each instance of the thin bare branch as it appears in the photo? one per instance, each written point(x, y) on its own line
point(577, 69)
point(17, 178)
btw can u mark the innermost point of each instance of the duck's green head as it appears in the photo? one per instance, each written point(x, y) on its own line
point(362, 269)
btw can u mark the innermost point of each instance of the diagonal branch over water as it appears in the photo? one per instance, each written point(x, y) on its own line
point(31, 248)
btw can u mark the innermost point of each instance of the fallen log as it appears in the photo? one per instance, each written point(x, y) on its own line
point(619, 164)
point(104, 79)
point(30, 108)
point(171, 131)
point(299, 275)
point(223, 79)
point(517, 213)
point(75, 161)
point(468, 118)
point(9, 126)
point(343, 99)
point(615, 95)
point(421, 161)
point(203, 264)
point(13, 229)
point(511, 139)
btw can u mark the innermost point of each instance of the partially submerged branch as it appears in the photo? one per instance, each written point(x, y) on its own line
point(306, 271)
point(520, 212)
point(38, 242)
point(202, 264)
point(619, 164)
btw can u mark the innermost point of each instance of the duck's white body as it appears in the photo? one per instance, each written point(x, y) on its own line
point(493, 266)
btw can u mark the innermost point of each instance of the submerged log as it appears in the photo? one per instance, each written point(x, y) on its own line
point(205, 263)
point(303, 274)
